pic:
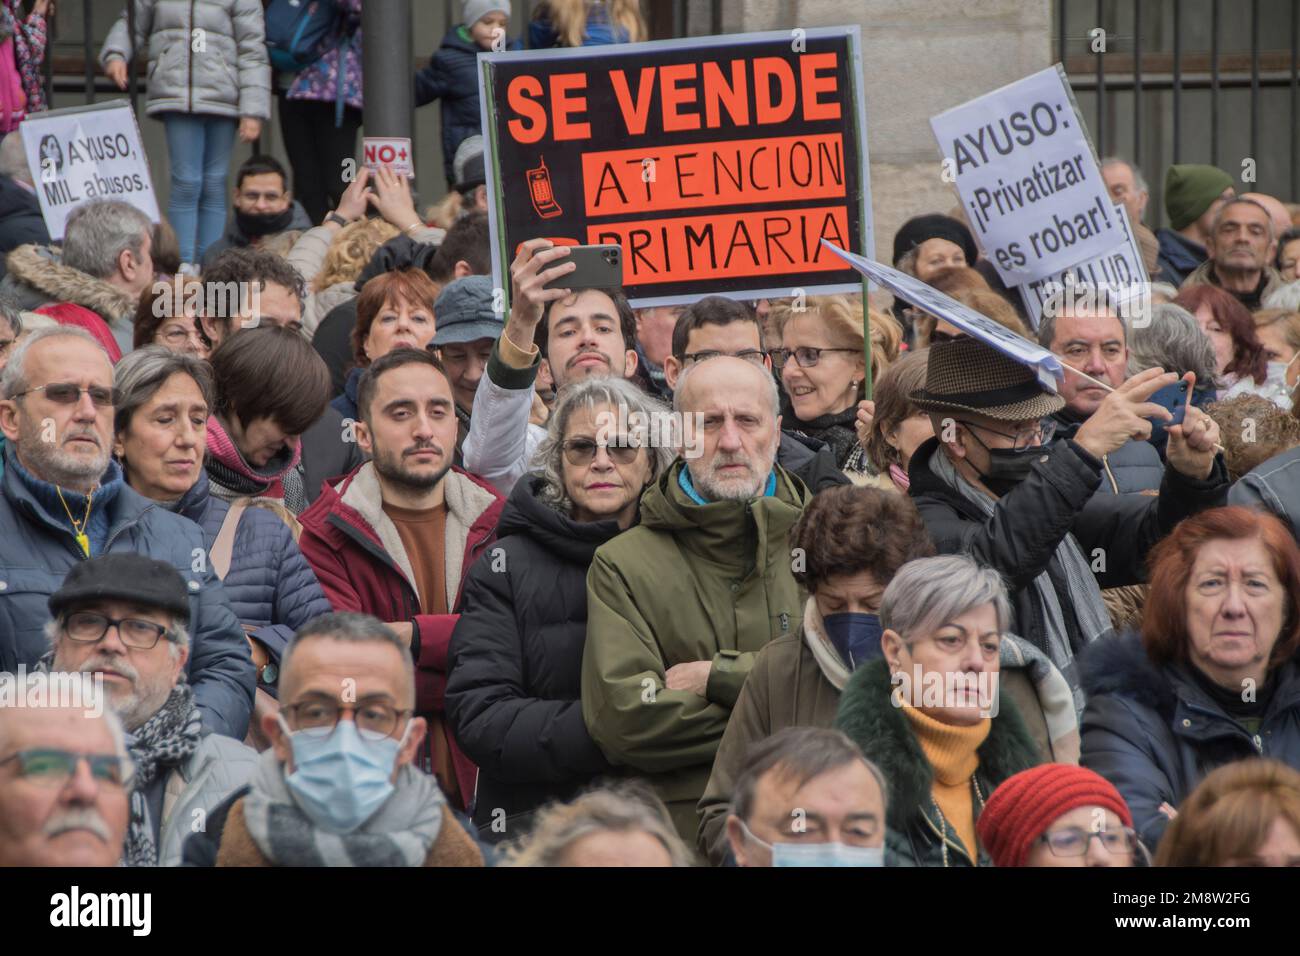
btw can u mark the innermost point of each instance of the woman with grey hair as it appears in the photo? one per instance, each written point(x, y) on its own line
point(929, 714)
point(515, 662)
point(161, 420)
point(1173, 340)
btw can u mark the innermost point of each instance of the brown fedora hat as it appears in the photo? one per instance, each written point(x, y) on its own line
point(965, 375)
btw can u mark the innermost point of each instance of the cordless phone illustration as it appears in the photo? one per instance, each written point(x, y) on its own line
point(539, 190)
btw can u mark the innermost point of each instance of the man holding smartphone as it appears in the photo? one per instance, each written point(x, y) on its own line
point(574, 333)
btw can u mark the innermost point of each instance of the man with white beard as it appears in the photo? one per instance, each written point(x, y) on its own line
point(680, 604)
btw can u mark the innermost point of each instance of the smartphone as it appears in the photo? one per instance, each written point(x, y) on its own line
point(541, 193)
point(598, 267)
point(1172, 398)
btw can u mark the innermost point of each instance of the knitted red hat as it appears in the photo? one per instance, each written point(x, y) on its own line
point(1025, 805)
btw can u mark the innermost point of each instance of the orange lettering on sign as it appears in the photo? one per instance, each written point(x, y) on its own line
point(717, 91)
point(814, 86)
point(563, 103)
point(635, 118)
point(523, 95)
point(675, 97)
point(765, 111)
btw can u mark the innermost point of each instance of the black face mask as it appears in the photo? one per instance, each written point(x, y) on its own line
point(258, 224)
point(1007, 467)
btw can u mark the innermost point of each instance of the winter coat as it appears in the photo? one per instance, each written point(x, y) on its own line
point(913, 832)
point(1270, 281)
point(1134, 467)
point(451, 75)
point(361, 564)
point(37, 551)
point(1179, 257)
point(38, 281)
point(514, 676)
point(1058, 498)
point(225, 841)
point(231, 77)
point(216, 769)
point(346, 404)
point(332, 341)
point(21, 221)
point(327, 453)
point(319, 80)
point(234, 238)
point(1154, 733)
point(1274, 486)
point(809, 460)
point(269, 583)
point(791, 685)
point(29, 35)
point(689, 583)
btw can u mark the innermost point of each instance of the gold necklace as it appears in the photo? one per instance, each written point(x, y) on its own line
point(79, 529)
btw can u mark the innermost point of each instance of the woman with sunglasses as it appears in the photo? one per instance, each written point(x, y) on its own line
point(515, 661)
point(822, 372)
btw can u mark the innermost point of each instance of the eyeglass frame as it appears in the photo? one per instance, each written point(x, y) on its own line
point(291, 712)
point(780, 356)
point(745, 354)
point(117, 623)
point(1134, 841)
point(1046, 432)
point(125, 765)
point(114, 395)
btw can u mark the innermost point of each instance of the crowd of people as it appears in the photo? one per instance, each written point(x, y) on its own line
point(364, 570)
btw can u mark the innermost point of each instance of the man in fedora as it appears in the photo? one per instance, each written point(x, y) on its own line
point(990, 484)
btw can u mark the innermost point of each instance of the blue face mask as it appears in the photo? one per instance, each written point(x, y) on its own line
point(819, 854)
point(856, 636)
point(340, 780)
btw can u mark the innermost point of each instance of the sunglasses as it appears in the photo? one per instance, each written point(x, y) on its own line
point(54, 767)
point(67, 393)
point(582, 451)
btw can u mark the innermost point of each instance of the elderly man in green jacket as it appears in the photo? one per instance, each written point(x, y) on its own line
point(679, 605)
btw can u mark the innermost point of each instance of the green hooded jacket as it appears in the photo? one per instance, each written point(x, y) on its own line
point(689, 583)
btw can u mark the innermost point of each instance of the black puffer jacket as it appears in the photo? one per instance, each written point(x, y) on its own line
point(515, 663)
point(1154, 733)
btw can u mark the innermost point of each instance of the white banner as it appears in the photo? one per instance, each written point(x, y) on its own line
point(91, 152)
point(1116, 279)
point(1028, 178)
point(929, 299)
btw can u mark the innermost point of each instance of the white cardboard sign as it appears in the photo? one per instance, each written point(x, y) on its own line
point(1028, 178)
point(912, 290)
point(85, 153)
point(392, 151)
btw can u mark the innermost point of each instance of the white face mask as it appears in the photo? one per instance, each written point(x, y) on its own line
point(819, 854)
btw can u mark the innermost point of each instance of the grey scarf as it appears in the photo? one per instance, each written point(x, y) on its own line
point(399, 834)
point(1068, 563)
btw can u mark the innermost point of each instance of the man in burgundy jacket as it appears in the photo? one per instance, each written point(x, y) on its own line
point(396, 536)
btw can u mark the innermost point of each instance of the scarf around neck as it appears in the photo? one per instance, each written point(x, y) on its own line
point(227, 467)
point(838, 431)
point(161, 743)
point(1068, 564)
point(400, 833)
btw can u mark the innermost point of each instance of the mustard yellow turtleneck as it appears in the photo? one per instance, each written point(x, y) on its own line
point(952, 752)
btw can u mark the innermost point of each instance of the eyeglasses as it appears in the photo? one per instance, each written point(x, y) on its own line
point(749, 355)
point(805, 356)
point(87, 627)
point(318, 718)
point(1040, 434)
point(66, 393)
point(1074, 841)
point(178, 336)
point(582, 451)
point(53, 768)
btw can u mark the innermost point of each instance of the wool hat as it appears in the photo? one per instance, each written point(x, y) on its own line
point(1189, 191)
point(472, 11)
point(934, 226)
point(464, 312)
point(467, 165)
point(1020, 810)
point(126, 576)
point(965, 375)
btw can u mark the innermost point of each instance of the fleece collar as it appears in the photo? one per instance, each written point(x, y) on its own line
point(466, 502)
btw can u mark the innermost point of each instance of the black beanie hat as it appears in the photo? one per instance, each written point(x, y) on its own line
point(934, 226)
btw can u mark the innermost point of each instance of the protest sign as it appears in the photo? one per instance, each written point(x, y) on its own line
point(912, 290)
point(717, 163)
point(1028, 178)
point(1117, 280)
point(392, 151)
point(87, 152)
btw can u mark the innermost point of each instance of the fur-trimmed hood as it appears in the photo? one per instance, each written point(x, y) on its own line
point(41, 270)
point(867, 714)
point(1120, 665)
